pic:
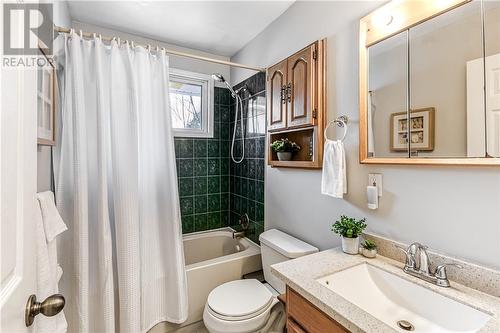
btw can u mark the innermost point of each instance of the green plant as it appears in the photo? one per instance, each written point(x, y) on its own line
point(369, 245)
point(285, 145)
point(349, 227)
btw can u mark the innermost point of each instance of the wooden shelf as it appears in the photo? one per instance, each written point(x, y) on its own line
point(306, 157)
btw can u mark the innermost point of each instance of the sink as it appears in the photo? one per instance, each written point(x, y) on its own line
point(401, 304)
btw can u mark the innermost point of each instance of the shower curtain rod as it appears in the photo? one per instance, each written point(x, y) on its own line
point(177, 53)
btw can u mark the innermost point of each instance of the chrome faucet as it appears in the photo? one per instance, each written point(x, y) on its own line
point(421, 269)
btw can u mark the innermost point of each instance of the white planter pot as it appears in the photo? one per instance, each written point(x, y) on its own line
point(350, 245)
point(284, 156)
point(369, 253)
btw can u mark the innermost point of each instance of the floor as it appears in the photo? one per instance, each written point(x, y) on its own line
point(197, 327)
point(165, 327)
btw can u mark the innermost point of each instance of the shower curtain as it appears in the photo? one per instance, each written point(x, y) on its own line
point(116, 188)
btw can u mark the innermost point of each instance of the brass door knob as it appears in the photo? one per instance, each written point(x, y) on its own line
point(50, 307)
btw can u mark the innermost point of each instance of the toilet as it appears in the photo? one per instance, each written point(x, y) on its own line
point(244, 306)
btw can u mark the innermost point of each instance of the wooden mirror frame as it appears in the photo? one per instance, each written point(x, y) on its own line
point(410, 14)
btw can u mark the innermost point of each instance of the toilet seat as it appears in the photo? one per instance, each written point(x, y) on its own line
point(239, 300)
point(240, 306)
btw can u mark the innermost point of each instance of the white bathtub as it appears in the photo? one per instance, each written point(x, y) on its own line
point(212, 258)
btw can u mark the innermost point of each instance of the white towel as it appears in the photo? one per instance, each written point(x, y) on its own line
point(334, 177)
point(49, 224)
point(53, 223)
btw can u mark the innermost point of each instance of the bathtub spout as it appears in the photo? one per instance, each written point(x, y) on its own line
point(238, 234)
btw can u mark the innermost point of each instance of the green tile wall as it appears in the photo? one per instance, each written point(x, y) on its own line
point(203, 172)
point(214, 191)
point(247, 177)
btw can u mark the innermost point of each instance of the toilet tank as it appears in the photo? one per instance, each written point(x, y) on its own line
point(277, 246)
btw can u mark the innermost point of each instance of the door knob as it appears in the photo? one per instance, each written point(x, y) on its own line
point(50, 307)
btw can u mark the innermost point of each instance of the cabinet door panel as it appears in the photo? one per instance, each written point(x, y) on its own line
point(311, 319)
point(301, 87)
point(293, 327)
point(276, 84)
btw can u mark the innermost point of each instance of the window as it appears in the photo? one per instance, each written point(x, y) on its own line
point(191, 104)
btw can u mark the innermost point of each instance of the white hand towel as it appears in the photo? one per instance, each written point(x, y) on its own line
point(49, 224)
point(334, 177)
point(53, 223)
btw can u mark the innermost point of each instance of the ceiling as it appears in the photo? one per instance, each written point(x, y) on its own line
point(218, 27)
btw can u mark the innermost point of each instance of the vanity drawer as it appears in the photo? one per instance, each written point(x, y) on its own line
point(293, 327)
point(310, 318)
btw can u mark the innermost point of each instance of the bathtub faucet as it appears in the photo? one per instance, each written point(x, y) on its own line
point(238, 234)
point(244, 221)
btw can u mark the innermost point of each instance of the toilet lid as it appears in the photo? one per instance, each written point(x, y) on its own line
point(239, 298)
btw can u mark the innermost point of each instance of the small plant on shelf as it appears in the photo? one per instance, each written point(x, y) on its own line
point(369, 249)
point(285, 148)
point(350, 229)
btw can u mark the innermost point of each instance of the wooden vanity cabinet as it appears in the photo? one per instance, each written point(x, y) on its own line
point(304, 317)
point(296, 104)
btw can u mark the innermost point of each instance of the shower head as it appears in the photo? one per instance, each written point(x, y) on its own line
point(218, 77)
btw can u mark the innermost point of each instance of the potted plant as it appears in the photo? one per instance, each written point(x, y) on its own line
point(285, 148)
point(350, 229)
point(369, 249)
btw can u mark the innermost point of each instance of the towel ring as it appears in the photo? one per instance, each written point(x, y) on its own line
point(341, 122)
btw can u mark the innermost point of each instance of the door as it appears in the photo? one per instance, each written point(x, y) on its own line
point(492, 66)
point(476, 122)
point(277, 101)
point(17, 191)
point(301, 89)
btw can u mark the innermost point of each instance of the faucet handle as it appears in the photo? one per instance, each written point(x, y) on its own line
point(410, 256)
point(441, 270)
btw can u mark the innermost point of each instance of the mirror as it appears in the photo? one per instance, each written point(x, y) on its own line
point(443, 55)
point(492, 77)
point(387, 95)
point(423, 69)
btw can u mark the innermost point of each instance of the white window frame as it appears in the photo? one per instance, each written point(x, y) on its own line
point(207, 103)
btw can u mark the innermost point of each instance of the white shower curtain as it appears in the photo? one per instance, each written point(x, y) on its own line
point(116, 188)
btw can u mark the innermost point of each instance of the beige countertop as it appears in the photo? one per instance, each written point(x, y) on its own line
point(301, 274)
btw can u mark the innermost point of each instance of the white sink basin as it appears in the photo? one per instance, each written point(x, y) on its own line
point(390, 299)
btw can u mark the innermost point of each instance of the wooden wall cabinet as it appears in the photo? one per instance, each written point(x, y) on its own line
point(303, 317)
point(297, 105)
point(277, 102)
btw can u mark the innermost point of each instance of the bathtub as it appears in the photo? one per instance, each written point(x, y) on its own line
point(212, 258)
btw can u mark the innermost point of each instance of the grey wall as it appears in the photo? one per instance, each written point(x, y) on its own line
point(455, 210)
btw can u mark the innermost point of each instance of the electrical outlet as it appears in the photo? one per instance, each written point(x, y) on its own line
point(376, 178)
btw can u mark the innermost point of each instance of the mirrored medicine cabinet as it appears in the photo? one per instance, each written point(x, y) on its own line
point(430, 83)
